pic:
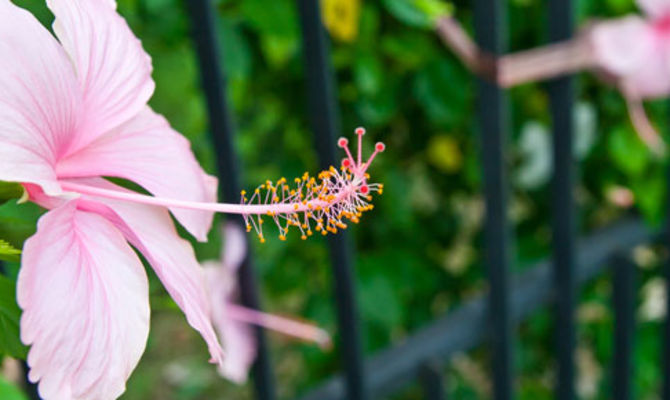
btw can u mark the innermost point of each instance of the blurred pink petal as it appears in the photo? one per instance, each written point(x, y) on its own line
point(151, 231)
point(113, 70)
point(234, 247)
point(237, 338)
point(637, 52)
point(655, 8)
point(623, 45)
point(146, 150)
point(39, 99)
point(84, 296)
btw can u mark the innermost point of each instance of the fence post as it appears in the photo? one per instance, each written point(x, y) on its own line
point(624, 327)
point(492, 114)
point(432, 380)
point(561, 93)
point(203, 28)
point(321, 96)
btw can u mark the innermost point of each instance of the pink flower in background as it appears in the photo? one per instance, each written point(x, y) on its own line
point(234, 322)
point(636, 51)
point(75, 111)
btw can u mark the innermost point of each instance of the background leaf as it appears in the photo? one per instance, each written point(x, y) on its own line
point(10, 314)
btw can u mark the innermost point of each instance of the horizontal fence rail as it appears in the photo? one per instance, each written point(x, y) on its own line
point(466, 327)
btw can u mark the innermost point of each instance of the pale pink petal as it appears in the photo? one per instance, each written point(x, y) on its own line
point(147, 151)
point(655, 8)
point(84, 295)
point(624, 45)
point(38, 99)
point(234, 247)
point(151, 231)
point(652, 78)
point(238, 338)
point(113, 69)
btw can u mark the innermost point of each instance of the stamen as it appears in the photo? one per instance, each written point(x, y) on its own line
point(324, 202)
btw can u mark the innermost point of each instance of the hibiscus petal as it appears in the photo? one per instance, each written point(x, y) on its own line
point(38, 99)
point(235, 247)
point(655, 8)
point(84, 296)
point(152, 232)
point(651, 80)
point(113, 69)
point(146, 150)
point(238, 338)
point(623, 45)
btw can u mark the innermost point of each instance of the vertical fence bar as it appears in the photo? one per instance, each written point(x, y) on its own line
point(624, 328)
point(561, 93)
point(492, 114)
point(321, 96)
point(665, 362)
point(214, 85)
point(432, 381)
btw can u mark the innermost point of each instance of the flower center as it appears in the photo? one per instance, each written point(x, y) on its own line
point(323, 203)
point(662, 25)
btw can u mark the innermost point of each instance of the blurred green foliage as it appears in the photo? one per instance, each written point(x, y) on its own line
point(419, 253)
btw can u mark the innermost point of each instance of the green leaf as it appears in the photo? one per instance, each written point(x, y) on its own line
point(628, 152)
point(10, 191)
point(8, 252)
point(10, 342)
point(10, 392)
point(418, 13)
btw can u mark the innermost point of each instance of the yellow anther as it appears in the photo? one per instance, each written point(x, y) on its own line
point(303, 237)
point(244, 192)
point(282, 238)
point(248, 228)
point(309, 232)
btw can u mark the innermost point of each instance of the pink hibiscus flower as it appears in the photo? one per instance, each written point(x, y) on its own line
point(74, 111)
point(636, 51)
point(633, 52)
point(234, 322)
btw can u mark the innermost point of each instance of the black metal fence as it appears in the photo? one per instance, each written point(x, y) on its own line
point(422, 356)
point(511, 298)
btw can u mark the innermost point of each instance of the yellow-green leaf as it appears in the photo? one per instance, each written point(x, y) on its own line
point(8, 252)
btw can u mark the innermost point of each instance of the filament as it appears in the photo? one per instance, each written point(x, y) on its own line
point(321, 204)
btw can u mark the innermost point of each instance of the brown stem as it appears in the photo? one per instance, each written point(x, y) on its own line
point(457, 39)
